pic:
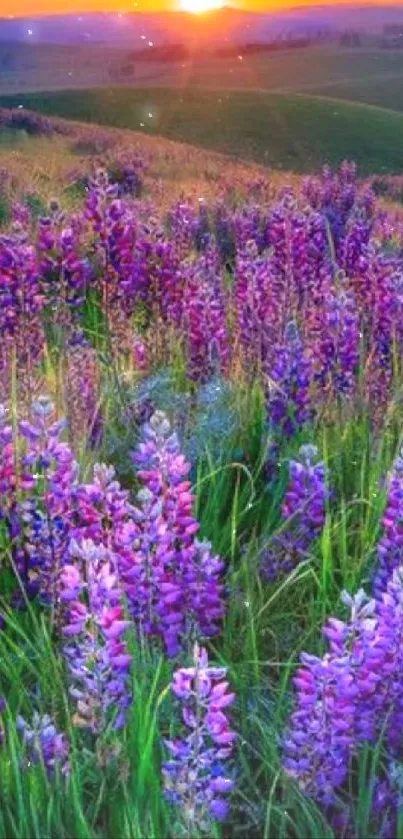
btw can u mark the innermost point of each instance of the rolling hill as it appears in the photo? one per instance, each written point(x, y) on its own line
point(296, 132)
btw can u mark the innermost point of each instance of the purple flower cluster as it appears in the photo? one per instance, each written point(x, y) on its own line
point(349, 212)
point(46, 513)
point(350, 697)
point(390, 547)
point(21, 305)
point(102, 507)
point(94, 627)
point(82, 394)
point(195, 777)
point(288, 385)
point(339, 342)
point(44, 743)
point(257, 306)
point(122, 253)
point(205, 319)
point(303, 514)
point(37, 479)
point(65, 267)
point(172, 581)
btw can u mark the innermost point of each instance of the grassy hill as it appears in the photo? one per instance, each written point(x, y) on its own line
point(296, 132)
point(320, 68)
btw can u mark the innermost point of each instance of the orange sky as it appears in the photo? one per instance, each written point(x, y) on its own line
point(31, 7)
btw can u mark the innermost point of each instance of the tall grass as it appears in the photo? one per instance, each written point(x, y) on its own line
point(115, 788)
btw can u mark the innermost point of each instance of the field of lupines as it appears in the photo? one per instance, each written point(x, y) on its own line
point(201, 506)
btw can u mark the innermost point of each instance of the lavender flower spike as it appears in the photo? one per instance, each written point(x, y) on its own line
point(95, 625)
point(303, 512)
point(390, 547)
point(44, 743)
point(195, 777)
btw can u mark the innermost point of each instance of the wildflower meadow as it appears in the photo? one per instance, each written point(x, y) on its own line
point(201, 508)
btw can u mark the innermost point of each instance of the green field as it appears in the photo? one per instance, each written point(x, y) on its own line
point(371, 75)
point(295, 132)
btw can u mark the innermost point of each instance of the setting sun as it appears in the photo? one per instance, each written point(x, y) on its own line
point(197, 7)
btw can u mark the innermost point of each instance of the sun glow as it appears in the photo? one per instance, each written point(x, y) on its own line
point(198, 7)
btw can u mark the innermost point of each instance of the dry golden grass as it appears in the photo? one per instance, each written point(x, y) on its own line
point(50, 166)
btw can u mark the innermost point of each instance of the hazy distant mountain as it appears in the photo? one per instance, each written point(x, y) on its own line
point(224, 26)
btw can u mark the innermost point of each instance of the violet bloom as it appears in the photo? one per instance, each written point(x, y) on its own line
point(47, 513)
point(81, 393)
point(8, 476)
point(44, 743)
point(351, 697)
point(65, 268)
point(96, 652)
point(183, 225)
point(172, 581)
point(224, 232)
point(338, 348)
point(101, 507)
point(257, 303)
point(349, 212)
point(21, 305)
point(37, 480)
point(289, 379)
point(204, 318)
point(196, 779)
point(390, 547)
point(303, 515)
point(118, 246)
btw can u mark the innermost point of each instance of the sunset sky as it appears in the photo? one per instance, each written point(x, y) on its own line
point(32, 7)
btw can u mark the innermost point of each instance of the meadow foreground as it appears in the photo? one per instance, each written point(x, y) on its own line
point(201, 493)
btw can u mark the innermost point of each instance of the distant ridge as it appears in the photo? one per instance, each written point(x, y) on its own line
point(226, 25)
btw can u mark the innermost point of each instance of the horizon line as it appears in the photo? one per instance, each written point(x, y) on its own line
point(273, 9)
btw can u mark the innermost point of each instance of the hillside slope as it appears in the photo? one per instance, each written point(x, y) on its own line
point(295, 132)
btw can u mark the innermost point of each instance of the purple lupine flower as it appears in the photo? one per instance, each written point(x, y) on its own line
point(224, 233)
point(351, 697)
point(249, 226)
point(205, 318)
point(118, 248)
point(196, 779)
point(348, 212)
point(387, 799)
point(172, 581)
point(44, 743)
point(21, 305)
point(81, 392)
point(303, 514)
point(101, 507)
point(8, 476)
point(94, 627)
point(338, 347)
point(289, 380)
point(390, 546)
point(183, 224)
point(38, 475)
point(47, 513)
point(257, 306)
point(65, 267)
point(326, 708)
